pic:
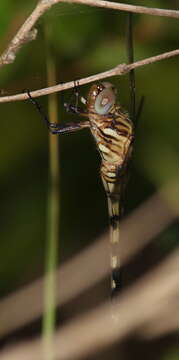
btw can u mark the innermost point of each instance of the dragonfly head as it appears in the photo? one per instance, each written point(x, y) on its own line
point(101, 98)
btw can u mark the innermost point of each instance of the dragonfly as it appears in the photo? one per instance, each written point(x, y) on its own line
point(113, 132)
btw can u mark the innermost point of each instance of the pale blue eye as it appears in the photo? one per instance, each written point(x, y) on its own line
point(104, 101)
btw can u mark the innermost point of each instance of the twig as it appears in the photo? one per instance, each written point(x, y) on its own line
point(25, 34)
point(10, 54)
point(126, 7)
point(120, 69)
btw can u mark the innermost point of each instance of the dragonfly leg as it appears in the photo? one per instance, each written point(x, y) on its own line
point(76, 93)
point(75, 108)
point(67, 128)
point(55, 128)
point(69, 106)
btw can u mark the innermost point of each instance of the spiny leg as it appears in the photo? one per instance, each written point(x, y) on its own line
point(57, 128)
point(69, 105)
point(76, 92)
point(75, 109)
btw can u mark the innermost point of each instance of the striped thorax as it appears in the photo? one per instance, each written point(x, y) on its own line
point(111, 128)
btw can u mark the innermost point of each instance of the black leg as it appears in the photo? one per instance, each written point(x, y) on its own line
point(75, 109)
point(57, 128)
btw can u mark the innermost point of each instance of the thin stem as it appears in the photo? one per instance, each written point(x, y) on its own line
point(139, 110)
point(130, 51)
point(53, 216)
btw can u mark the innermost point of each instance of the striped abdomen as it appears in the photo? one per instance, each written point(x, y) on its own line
point(113, 134)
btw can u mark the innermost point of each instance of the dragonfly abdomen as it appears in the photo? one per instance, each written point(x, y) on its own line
point(113, 144)
point(113, 132)
point(109, 172)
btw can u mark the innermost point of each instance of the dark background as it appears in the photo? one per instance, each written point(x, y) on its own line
point(85, 41)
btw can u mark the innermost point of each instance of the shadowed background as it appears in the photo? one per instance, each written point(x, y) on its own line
point(85, 41)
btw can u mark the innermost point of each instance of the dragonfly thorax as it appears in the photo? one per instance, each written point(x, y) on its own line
point(111, 129)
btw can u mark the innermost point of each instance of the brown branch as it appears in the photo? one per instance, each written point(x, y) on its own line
point(10, 54)
point(26, 34)
point(120, 69)
point(126, 7)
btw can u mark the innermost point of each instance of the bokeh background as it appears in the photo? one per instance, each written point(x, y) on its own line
point(84, 41)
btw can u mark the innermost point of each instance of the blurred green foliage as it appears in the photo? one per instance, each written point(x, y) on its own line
point(85, 41)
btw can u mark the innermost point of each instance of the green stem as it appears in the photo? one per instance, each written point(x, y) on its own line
point(52, 215)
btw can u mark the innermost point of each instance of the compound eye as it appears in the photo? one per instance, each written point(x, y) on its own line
point(104, 101)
